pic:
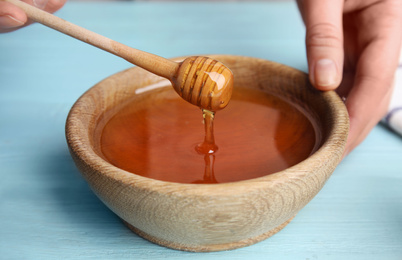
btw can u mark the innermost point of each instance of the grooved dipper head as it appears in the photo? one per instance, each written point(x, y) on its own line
point(204, 82)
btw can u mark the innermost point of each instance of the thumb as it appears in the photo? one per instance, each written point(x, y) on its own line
point(324, 42)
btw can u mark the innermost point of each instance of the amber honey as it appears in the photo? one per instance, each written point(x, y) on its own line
point(255, 135)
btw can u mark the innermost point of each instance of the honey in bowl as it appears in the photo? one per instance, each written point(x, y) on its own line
point(255, 135)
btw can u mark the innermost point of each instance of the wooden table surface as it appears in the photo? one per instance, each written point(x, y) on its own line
point(47, 210)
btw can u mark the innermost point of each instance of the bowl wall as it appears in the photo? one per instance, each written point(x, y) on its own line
point(200, 217)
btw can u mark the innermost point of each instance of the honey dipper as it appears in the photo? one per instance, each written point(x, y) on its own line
point(202, 81)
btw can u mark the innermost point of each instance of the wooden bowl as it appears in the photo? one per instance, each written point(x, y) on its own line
point(202, 217)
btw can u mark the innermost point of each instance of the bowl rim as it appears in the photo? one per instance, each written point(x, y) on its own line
point(331, 149)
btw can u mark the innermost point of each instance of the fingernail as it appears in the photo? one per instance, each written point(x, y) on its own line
point(325, 73)
point(40, 3)
point(7, 21)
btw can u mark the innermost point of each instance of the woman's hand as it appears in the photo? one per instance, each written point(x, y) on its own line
point(353, 46)
point(13, 18)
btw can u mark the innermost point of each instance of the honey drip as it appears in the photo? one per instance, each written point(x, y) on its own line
point(208, 148)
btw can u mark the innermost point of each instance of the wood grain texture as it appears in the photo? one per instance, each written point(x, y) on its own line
point(209, 248)
point(209, 217)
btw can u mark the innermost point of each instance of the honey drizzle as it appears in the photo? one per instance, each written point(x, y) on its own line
point(208, 148)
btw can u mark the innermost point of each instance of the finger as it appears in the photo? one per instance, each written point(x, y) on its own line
point(324, 42)
point(363, 118)
point(368, 100)
point(50, 6)
point(53, 5)
point(46, 5)
point(11, 17)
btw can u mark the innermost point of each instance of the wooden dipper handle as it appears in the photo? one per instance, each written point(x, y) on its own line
point(201, 81)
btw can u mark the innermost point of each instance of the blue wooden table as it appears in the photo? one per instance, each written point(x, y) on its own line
point(47, 210)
